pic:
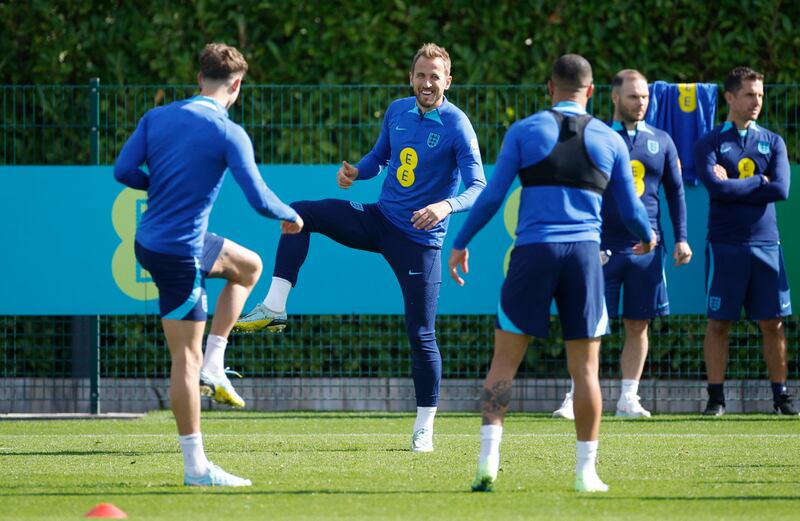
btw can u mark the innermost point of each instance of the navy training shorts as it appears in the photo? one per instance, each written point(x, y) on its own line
point(749, 276)
point(181, 279)
point(639, 281)
point(571, 274)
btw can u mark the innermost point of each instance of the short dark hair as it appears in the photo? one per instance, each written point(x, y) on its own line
point(219, 62)
point(626, 74)
point(572, 72)
point(739, 74)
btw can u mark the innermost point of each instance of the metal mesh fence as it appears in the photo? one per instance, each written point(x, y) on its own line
point(346, 361)
point(291, 124)
point(324, 361)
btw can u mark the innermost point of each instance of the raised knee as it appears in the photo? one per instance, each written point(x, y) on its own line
point(300, 206)
point(255, 267)
point(249, 268)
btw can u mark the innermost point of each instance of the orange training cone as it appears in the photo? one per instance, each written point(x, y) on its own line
point(107, 511)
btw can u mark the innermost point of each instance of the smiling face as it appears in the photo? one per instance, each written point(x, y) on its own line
point(429, 79)
point(745, 104)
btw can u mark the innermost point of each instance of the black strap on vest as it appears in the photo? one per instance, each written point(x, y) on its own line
point(569, 163)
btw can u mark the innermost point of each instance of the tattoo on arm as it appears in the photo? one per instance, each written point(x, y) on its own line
point(495, 400)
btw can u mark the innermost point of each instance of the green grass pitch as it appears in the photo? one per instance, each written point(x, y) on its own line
point(357, 466)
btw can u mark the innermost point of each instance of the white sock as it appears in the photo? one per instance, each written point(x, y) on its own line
point(490, 444)
point(214, 357)
point(571, 386)
point(425, 416)
point(586, 456)
point(195, 462)
point(630, 386)
point(278, 294)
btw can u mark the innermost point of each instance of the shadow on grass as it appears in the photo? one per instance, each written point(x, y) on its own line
point(696, 498)
point(89, 453)
point(544, 417)
point(245, 415)
point(756, 482)
point(756, 466)
point(692, 418)
point(293, 450)
point(180, 490)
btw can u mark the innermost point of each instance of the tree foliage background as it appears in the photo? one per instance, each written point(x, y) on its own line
point(311, 42)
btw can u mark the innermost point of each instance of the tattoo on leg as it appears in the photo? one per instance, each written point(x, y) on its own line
point(494, 401)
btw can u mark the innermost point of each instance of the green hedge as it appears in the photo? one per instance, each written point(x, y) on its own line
point(292, 41)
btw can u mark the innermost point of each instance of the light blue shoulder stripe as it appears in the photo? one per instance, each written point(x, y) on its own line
point(431, 114)
point(184, 309)
point(208, 102)
point(434, 115)
point(569, 106)
point(505, 322)
point(642, 127)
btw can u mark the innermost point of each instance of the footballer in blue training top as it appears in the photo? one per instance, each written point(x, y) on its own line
point(745, 169)
point(566, 161)
point(426, 149)
point(187, 146)
point(638, 280)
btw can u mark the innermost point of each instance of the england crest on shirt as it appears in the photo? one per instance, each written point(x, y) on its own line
point(763, 147)
point(714, 303)
point(652, 146)
point(433, 140)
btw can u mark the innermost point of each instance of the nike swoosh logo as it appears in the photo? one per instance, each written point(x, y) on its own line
point(414, 272)
point(784, 306)
point(400, 128)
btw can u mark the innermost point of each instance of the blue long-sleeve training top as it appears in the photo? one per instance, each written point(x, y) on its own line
point(187, 147)
point(426, 156)
point(741, 208)
point(558, 213)
point(654, 161)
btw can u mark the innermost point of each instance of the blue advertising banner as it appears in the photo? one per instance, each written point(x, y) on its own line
point(69, 235)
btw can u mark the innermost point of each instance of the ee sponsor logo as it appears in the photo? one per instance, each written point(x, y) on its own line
point(511, 219)
point(638, 176)
point(747, 168)
point(408, 162)
point(131, 279)
point(687, 97)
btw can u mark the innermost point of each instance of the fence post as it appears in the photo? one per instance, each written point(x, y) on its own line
point(94, 326)
point(94, 121)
